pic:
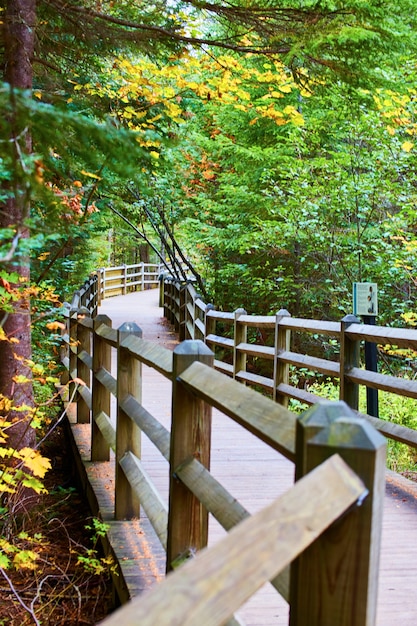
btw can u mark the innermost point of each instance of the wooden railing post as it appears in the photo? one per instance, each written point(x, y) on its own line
point(177, 307)
point(73, 349)
point(349, 357)
point(102, 285)
point(124, 280)
point(282, 344)
point(182, 313)
point(65, 351)
point(161, 279)
point(101, 397)
point(128, 435)
point(190, 437)
point(142, 276)
point(335, 580)
point(165, 294)
point(171, 302)
point(240, 335)
point(209, 322)
point(190, 296)
point(95, 287)
point(83, 371)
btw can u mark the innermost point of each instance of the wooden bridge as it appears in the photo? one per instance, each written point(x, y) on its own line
point(251, 469)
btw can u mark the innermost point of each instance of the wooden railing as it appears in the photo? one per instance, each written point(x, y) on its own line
point(115, 281)
point(333, 510)
point(227, 334)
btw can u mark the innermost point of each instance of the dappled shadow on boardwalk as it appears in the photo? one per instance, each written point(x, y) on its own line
point(255, 475)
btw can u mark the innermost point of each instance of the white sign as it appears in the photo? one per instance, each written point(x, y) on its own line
point(365, 299)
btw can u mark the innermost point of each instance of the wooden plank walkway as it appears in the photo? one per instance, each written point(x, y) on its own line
point(255, 475)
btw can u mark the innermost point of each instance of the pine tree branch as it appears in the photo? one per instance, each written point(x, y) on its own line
point(174, 35)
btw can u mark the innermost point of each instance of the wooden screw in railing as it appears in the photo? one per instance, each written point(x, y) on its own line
point(335, 580)
point(240, 336)
point(101, 397)
point(349, 357)
point(128, 435)
point(190, 437)
point(281, 370)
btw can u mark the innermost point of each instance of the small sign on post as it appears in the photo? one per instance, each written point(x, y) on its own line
point(365, 304)
point(365, 299)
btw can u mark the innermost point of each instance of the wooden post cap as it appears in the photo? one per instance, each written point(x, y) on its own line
point(351, 319)
point(193, 347)
point(83, 312)
point(345, 432)
point(130, 328)
point(102, 319)
point(324, 413)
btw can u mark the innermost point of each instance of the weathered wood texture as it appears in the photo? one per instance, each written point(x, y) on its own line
point(101, 395)
point(325, 587)
point(218, 581)
point(128, 434)
point(190, 437)
point(254, 474)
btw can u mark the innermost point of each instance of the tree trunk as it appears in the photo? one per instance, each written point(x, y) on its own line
point(18, 37)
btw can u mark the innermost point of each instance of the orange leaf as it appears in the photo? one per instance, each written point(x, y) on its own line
point(55, 326)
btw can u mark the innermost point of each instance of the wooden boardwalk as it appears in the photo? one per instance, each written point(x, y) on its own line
point(255, 475)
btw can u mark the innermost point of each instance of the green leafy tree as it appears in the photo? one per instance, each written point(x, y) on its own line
point(56, 131)
point(291, 214)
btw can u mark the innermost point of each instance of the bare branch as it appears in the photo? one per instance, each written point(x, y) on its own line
point(13, 246)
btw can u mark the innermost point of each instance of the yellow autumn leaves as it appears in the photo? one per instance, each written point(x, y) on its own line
point(395, 108)
point(143, 93)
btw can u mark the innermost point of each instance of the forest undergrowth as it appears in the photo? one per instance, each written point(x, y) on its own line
point(70, 585)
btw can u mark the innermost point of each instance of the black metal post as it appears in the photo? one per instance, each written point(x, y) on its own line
point(371, 364)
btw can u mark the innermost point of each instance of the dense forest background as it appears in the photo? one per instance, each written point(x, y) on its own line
point(281, 159)
point(271, 144)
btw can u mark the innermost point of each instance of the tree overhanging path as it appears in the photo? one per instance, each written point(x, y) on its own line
point(255, 475)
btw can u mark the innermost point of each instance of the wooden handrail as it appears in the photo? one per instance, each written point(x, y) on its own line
point(268, 421)
point(223, 332)
point(115, 281)
point(305, 523)
point(253, 553)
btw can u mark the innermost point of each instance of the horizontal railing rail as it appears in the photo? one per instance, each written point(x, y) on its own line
point(115, 281)
point(236, 337)
point(123, 279)
point(261, 545)
point(308, 520)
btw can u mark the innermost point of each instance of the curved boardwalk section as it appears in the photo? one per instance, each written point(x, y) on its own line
point(254, 474)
